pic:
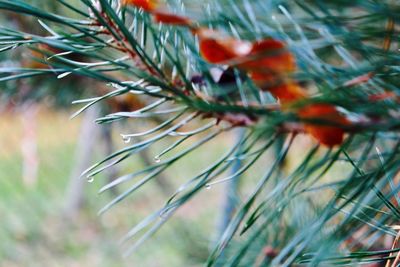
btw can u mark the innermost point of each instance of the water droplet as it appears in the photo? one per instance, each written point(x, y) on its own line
point(90, 179)
point(208, 186)
point(172, 134)
point(164, 214)
point(181, 188)
point(127, 139)
point(157, 159)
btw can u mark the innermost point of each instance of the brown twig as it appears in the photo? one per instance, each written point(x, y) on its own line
point(122, 43)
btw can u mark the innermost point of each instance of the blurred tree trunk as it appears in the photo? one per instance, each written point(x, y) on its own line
point(111, 172)
point(230, 198)
point(86, 144)
point(30, 157)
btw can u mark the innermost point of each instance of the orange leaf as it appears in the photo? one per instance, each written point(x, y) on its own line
point(172, 19)
point(268, 65)
point(287, 92)
point(147, 5)
point(280, 87)
point(327, 135)
point(269, 56)
point(221, 51)
point(216, 49)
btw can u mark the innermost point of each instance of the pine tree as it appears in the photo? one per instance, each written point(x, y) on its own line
point(313, 86)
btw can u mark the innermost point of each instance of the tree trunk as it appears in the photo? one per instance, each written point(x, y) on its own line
point(86, 144)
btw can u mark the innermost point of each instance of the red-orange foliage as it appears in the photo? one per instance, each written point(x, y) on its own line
point(147, 5)
point(267, 62)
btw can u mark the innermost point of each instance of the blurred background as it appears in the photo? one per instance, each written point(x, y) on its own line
point(48, 212)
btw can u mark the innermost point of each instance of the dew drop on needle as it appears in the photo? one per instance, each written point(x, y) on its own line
point(126, 139)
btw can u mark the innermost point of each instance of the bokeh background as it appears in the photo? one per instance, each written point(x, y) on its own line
point(49, 213)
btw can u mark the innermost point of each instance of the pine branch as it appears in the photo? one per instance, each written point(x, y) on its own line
point(203, 69)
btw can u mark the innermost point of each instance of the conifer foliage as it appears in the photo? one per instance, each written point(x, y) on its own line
point(320, 77)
